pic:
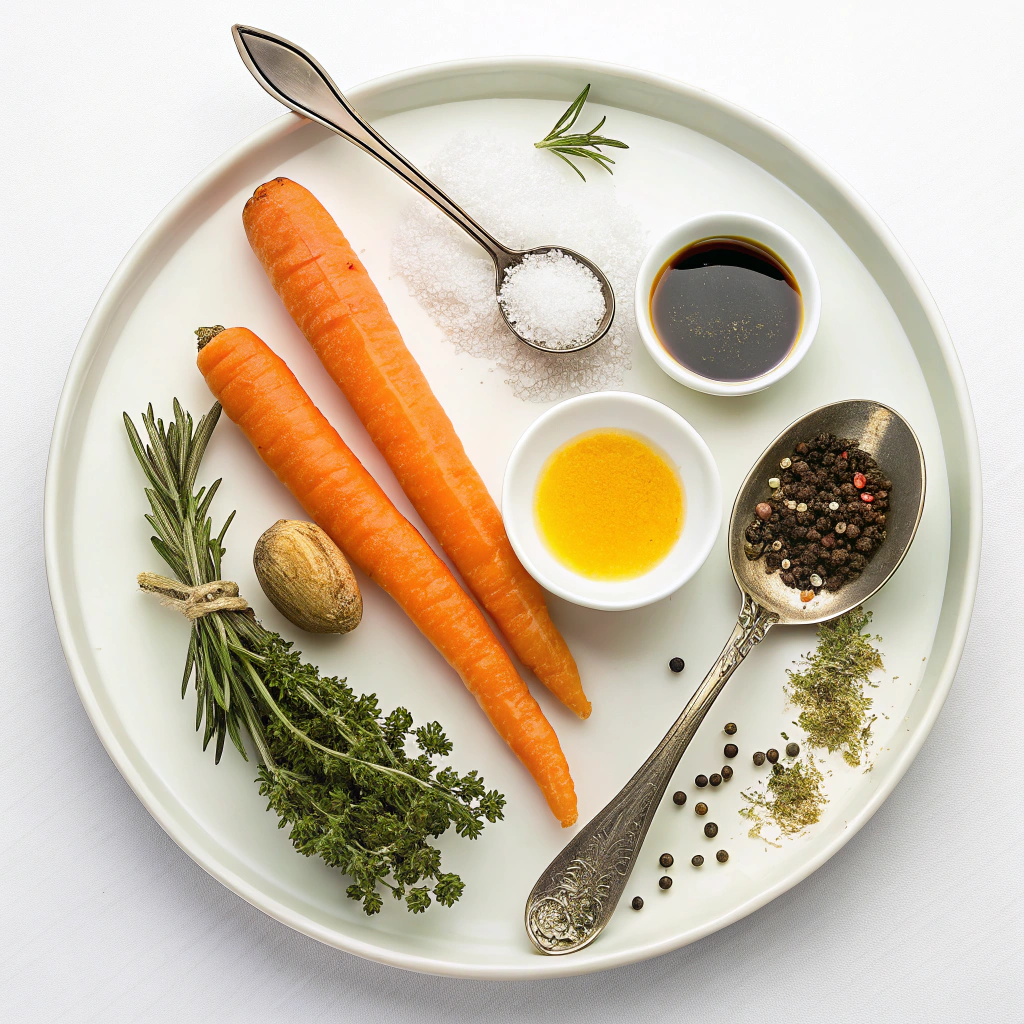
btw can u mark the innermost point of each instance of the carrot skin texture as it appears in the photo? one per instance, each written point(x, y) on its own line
point(331, 297)
point(260, 394)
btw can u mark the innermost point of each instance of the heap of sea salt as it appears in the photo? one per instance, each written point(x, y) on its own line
point(552, 300)
point(526, 198)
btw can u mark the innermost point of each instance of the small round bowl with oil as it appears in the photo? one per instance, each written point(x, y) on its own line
point(662, 430)
point(778, 245)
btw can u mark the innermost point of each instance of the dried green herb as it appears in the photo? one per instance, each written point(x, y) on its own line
point(793, 800)
point(829, 683)
point(332, 766)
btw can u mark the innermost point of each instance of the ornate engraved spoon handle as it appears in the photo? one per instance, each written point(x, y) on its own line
point(575, 896)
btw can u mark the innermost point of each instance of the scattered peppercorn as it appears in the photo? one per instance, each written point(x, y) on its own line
point(700, 808)
point(638, 903)
point(696, 860)
point(711, 830)
point(771, 755)
point(722, 856)
point(677, 664)
point(763, 510)
point(701, 781)
point(666, 860)
point(759, 758)
point(665, 882)
point(715, 779)
point(731, 750)
point(730, 728)
point(679, 798)
point(792, 749)
point(727, 772)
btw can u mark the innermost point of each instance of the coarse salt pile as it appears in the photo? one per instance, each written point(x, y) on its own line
point(552, 300)
point(526, 198)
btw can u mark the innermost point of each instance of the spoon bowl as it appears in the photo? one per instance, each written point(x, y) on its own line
point(296, 79)
point(506, 259)
point(883, 434)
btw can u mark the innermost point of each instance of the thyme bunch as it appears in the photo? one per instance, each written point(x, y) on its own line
point(580, 145)
point(334, 769)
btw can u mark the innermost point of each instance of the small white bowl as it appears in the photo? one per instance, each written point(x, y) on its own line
point(728, 225)
point(669, 432)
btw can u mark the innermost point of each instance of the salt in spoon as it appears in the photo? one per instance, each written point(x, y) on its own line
point(298, 81)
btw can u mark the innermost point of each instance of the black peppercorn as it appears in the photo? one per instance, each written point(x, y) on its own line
point(711, 830)
point(665, 882)
point(771, 755)
point(759, 758)
point(730, 728)
point(727, 772)
point(679, 798)
point(666, 860)
point(715, 780)
point(731, 750)
point(722, 856)
point(696, 860)
point(700, 808)
point(638, 903)
point(677, 664)
point(792, 749)
point(701, 781)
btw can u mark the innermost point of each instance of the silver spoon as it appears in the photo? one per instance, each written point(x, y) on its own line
point(295, 78)
point(575, 896)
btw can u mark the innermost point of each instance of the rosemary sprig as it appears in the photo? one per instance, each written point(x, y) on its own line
point(331, 766)
point(586, 145)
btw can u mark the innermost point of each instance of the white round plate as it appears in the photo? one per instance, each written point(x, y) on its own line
point(880, 337)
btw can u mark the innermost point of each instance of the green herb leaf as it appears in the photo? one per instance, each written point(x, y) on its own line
point(582, 146)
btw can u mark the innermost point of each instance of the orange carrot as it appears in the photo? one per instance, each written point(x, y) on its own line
point(261, 395)
point(331, 297)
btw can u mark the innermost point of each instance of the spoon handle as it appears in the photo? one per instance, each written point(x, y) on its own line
point(575, 896)
point(298, 81)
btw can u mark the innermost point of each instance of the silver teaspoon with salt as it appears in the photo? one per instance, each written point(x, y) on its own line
point(575, 896)
point(298, 81)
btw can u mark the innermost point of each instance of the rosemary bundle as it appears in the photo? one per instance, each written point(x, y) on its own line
point(581, 145)
point(333, 768)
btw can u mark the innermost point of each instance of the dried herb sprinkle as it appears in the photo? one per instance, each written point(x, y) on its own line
point(828, 686)
point(792, 800)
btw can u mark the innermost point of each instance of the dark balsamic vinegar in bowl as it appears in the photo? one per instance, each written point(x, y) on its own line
point(727, 309)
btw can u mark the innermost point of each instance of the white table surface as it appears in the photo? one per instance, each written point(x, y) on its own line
point(110, 108)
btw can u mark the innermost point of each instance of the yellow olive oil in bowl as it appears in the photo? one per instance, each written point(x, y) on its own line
point(609, 505)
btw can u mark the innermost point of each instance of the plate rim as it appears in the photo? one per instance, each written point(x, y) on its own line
point(365, 94)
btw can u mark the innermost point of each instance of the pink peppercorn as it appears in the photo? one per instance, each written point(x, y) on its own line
point(859, 481)
point(864, 496)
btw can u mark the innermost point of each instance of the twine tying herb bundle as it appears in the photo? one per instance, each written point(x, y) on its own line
point(331, 766)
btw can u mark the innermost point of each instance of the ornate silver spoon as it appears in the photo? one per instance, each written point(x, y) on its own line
point(295, 78)
point(575, 896)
